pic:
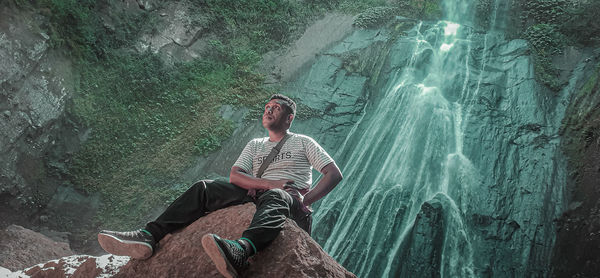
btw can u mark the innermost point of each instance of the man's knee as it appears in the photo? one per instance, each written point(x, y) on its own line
point(201, 184)
point(220, 188)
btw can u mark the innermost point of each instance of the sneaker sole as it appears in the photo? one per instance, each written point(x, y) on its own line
point(116, 246)
point(216, 255)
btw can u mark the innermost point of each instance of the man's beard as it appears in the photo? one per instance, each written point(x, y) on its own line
point(275, 124)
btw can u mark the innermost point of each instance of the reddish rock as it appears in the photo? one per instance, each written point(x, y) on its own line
point(51, 269)
point(292, 254)
point(88, 268)
point(20, 248)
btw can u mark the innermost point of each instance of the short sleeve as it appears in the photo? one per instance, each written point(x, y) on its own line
point(316, 155)
point(244, 161)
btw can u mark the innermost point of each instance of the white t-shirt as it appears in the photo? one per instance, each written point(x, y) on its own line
point(295, 161)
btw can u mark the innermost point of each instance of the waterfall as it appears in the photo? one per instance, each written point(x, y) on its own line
point(421, 194)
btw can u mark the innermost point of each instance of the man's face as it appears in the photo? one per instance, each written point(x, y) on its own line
point(275, 115)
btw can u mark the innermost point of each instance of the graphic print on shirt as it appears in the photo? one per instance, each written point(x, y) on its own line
point(276, 158)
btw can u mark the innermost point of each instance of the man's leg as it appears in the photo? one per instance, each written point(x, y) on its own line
point(230, 256)
point(201, 198)
point(272, 208)
point(302, 215)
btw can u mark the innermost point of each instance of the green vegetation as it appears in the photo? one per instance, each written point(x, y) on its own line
point(551, 25)
point(540, 17)
point(356, 7)
point(432, 10)
point(545, 11)
point(546, 41)
point(545, 38)
point(378, 15)
point(261, 25)
point(421, 9)
point(375, 17)
point(582, 24)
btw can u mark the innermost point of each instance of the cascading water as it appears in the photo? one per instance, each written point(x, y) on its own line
point(432, 180)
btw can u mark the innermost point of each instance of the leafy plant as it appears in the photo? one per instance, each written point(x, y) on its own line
point(374, 17)
point(545, 38)
point(355, 7)
point(542, 19)
point(545, 11)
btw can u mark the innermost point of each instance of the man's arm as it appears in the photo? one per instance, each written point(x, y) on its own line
point(244, 180)
point(331, 177)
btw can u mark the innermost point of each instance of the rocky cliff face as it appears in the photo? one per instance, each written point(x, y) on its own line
point(578, 242)
point(292, 254)
point(31, 102)
point(35, 85)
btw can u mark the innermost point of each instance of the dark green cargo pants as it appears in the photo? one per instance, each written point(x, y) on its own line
point(272, 208)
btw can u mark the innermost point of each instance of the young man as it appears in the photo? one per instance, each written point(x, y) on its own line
point(281, 190)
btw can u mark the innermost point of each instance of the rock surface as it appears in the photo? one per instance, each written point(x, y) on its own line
point(33, 91)
point(292, 254)
point(283, 65)
point(181, 35)
point(20, 248)
point(577, 251)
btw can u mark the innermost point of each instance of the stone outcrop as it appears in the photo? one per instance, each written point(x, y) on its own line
point(292, 254)
point(181, 35)
point(420, 256)
point(20, 248)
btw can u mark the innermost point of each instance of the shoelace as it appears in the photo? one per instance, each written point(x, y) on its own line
point(237, 252)
point(134, 234)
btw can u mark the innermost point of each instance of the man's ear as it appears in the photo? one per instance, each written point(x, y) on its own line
point(290, 118)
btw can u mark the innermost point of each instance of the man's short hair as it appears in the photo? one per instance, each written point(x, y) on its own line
point(289, 104)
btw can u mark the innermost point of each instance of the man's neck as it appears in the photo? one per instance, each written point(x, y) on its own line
point(276, 135)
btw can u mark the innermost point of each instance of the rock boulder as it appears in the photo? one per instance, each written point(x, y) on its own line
point(293, 254)
point(20, 247)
